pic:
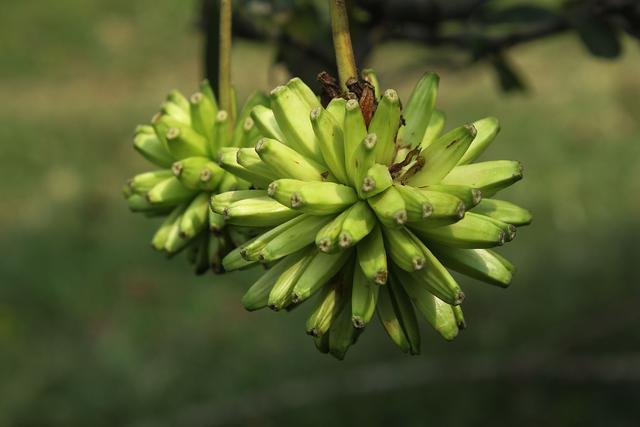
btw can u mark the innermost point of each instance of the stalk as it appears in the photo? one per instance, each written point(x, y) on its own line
point(224, 70)
point(342, 42)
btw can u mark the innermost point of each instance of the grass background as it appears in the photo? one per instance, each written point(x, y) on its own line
point(97, 329)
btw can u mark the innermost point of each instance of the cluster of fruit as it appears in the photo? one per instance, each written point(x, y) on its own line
point(362, 202)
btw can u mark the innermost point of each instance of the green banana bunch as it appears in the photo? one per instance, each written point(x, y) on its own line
point(367, 215)
point(199, 151)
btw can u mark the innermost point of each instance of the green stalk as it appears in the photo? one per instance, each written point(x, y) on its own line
point(342, 42)
point(224, 73)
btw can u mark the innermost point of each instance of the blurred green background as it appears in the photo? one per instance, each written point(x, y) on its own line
point(96, 329)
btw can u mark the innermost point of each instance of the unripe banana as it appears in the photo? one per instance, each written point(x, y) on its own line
point(231, 182)
point(235, 261)
point(169, 192)
point(293, 238)
point(162, 234)
point(389, 207)
point(318, 273)
point(205, 88)
point(175, 111)
point(251, 250)
point(329, 305)
point(436, 124)
point(257, 296)
point(151, 148)
point(202, 262)
point(292, 115)
point(438, 313)
point(327, 237)
point(459, 316)
point(406, 315)
point(322, 343)
point(222, 132)
point(487, 129)
point(354, 132)
point(471, 232)
point(175, 243)
point(446, 209)
point(328, 131)
point(403, 250)
point(316, 198)
point(216, 222)
point(303, 92)
point(245, 127)
point(266, 122)
point(372, 257)
point(469, 196)
point(488, 177)
point(338, 108)
point(198, 173)
point(342, 333)
point(481, 264)
point(280, 295)
point(249, 159)
point(364, 296)
point(258, 212)
point(179, 99)
point(416, 202)
point(390, 321)
point(223, 200)
point(503, 211)
point(510, 230)
point(183, 142)
point(287, 163)
point(228, 160)
point(441, 156)
point(203, 113)
point(195, 216)
point(357, 224)
point(144, 182)
point(385, 124)
point(418, 110)
point(363, 159)
point(376, 180)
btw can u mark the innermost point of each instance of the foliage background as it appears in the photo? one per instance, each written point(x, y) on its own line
point(97, 329)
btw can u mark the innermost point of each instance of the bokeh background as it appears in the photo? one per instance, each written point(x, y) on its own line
point(96, 329)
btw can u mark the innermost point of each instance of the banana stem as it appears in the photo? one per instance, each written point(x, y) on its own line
point(224, 70)
point(342, 41)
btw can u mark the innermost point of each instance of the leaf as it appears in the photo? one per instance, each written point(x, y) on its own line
point(599, 37)
point(525, 13)
point(509, 79)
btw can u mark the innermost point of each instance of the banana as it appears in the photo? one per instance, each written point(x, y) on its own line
point(258, 212)
point(363, 158)
point(459, 316)
point(390, 321)
point(370, 76)
point(183, 142)
point(487, 129)
point(406, 314)
point(385, 124)
point(198, 173)
point(303, 92)
point(342, 333)
point(202, 263)
point(235, 261)
point(222, 132)
point(228, 160)
point(471, 232)
point(354, 130)
point(357, 224)
point(144, 182)
point(469, 196)
point(418, 110)
point(416, 202)
point(292, 115)
point(445, 209)
point(316, 198)
point(169, 192)
point(364, 296)
point(177, 98)
point(257, 296)
point(327, 237)
point(216, 222)
point(503, 211)
point(146, 143)
point(244, 124)
point(403, 250)
point(337, 108)
point(251, 250)
point(441, 156)
point(330, 302)
point(195, 216)
point(293, 238)
point(266, 122)
point(321, 269)
point(249, 134)
point(203, 113)
point(175, 243)
point(488, 177)
point(376, 180)
point(206, 90)
point(389, 206)
point(434, 278)
point(330, 138)
point(481, 264)
point(322, 343)
point(162, 234)
point(436, 124)
point(280, 295)
point(510, 230)
point(175, 111)
point(288, 163)
point(231, 182)
point(372, 257)
point(140, 203)
point(437, 313)
point(221, 201)
point(249, 159)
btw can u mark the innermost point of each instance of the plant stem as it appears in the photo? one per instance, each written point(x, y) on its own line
point(342, 41)
point(224, 70)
